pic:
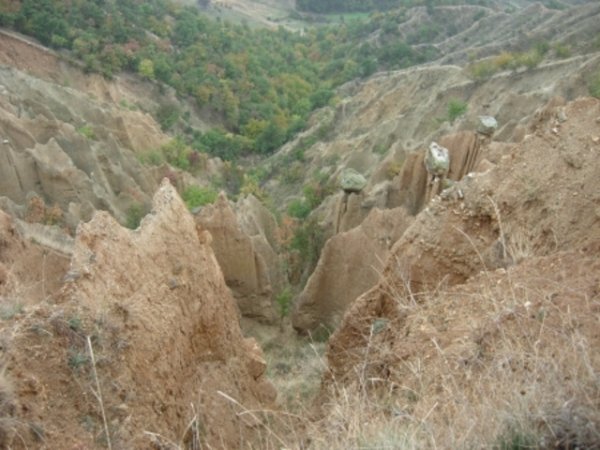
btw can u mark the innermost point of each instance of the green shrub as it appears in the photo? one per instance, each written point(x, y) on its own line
point(135, 214)
point(594, 85)
point(284, 301)
point(153, 158)
point(77, 359)
point(300, 209)
point(8, 311)
point(251, 185)
point(293, 173)
point(482, 70)
point(177, 153)
point(562, 50)
point(456, 108)
point(542, 47)
point(195, 196)
point(530, 59)
point(308, 240)
point(87, 131)
point(167, 115)
point(321, 333)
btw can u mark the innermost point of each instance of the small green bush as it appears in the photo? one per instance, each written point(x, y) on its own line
point(77, 359)
point(134, 215)
point(167, 116)
point(321, 333)
point(153, 158)
point(482, 70)
point(284, 301)
point(195, 196)
point(594, 85)
point(177, 153)
point(530, 59)
point(562, 50)
point(9, 311)
point(292, 173)
point(87, 131)
point(308, 240)
point(300, 209)
point(456, 109)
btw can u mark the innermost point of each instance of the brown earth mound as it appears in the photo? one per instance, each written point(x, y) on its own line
point(143, 342)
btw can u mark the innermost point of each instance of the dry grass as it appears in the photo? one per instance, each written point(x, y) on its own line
point(7, 424)
point(507, 361)
point(506, 367)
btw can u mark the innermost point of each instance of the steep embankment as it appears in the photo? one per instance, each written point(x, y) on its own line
point(165, 338)
point(400, 111)
point(487, 311)
point(245, 243)
point(67, 138)
point(382, 126)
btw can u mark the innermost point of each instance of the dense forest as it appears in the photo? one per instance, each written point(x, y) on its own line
point(262, 83)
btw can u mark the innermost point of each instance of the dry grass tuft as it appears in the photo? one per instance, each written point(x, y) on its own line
point(7, 423)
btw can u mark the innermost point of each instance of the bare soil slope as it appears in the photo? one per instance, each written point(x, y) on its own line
point(164, 331)
point(72, 139)
point(487, 315)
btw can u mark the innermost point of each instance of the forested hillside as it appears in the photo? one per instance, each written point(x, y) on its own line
point(261, 84)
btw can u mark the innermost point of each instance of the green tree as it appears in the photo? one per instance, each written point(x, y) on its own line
point(146, 68)
point(456, 108)
point(195, 196)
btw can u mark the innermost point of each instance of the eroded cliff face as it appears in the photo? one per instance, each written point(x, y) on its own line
point(351, 263)
point(352, 260)
point(29, 273)
point(245, 243)
point(169, 353)
point(480, 282)
point(67, 139)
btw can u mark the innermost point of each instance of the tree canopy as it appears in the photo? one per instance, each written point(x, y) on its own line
point(262, 83)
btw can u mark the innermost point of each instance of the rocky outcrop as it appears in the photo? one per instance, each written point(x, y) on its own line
point(350, 264)
point(487, 125)
point(437, 160)
point(352, 182)
point(352, 260)
point(246, 252)
point(350, 211)
point(148, 313)
point(413, 187)
point(524, 204)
